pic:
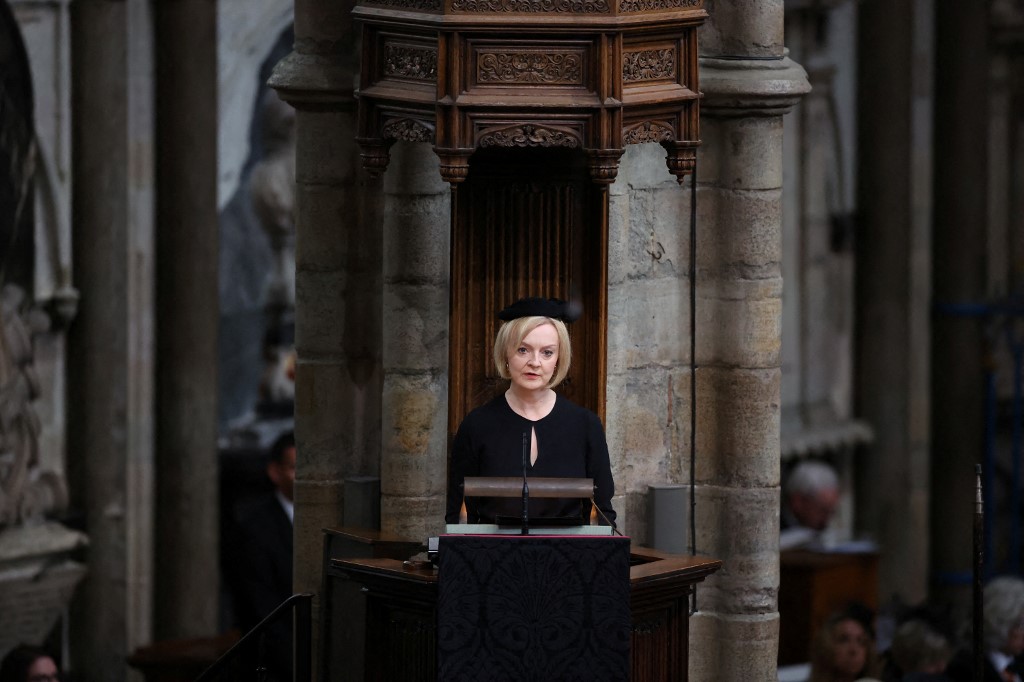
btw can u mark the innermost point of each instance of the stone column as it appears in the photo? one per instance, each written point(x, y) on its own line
point(893, 196)
point(338, 280)
point(186, 589)
point(414, 445)
point(748, 84)
point(110, 357)
point(961, 228)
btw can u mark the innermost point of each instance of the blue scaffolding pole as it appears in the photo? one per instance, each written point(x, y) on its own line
point(999, 316)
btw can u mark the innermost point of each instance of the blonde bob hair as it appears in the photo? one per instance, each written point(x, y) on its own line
point(511, 335)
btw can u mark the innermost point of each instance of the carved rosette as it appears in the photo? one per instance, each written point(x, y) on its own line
point(532, 6)
point(410, 62)
point(649, 65)
point(407, 130)
point(649, 131)
point(650, 5)
point(529, 136)
point(563, 68)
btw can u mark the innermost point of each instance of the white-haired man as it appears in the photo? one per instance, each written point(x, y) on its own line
point(810, 496)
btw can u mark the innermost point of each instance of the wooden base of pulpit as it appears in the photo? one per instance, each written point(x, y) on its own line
point(398, 602)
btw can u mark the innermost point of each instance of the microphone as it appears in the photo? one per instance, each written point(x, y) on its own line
point(526, 487)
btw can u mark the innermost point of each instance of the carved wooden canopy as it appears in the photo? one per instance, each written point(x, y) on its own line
point(593, 75)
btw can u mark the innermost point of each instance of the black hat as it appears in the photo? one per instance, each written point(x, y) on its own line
point(555, 308)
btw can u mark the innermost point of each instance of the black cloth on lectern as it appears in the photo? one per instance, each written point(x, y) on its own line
point(533, 608)
point(570, 444)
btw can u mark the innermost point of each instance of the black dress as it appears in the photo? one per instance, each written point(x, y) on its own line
point(570, 443)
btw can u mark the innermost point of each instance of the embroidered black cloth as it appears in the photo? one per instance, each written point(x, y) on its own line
point(533, 608)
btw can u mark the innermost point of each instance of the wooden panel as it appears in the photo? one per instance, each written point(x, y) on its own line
point(525, 223)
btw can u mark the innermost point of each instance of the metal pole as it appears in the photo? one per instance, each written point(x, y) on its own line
point(979, 560)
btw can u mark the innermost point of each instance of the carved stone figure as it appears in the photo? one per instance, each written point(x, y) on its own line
point(26, 492)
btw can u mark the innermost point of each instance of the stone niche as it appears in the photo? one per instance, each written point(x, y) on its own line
point(39, 565)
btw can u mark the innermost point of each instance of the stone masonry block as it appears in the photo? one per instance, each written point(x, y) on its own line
point(414, 169)
point(733, 648)
point(648, 324)
point(741, 153)
point(416, 320)
point(739, 322)
point(648, 421)
point(320, 320)
point(416, 238)
point(414, 435)
point(414, 518)
point(332, 411)
point(740, 526)
point(329, 154)
point(739, 232)
point(649, 235)
point(642, 166)
point(738, 426)
point(324, 225)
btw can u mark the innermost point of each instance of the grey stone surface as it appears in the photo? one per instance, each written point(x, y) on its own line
point(648, 324)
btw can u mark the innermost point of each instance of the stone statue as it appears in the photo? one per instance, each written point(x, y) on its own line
point(26, 492)
point(272, 186)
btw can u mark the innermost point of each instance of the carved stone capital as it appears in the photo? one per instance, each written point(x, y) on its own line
point(750, 87)
point(315, 81)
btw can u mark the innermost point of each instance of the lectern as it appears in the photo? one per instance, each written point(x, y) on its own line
point(401, 603)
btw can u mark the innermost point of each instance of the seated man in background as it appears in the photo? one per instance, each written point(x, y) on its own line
point(810, 496)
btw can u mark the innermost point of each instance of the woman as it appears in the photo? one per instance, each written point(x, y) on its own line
point(26, 663)
point(565, 440)
point(844, 649)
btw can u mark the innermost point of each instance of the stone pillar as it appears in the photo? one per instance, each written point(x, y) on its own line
point(748, 84)
point(338, 280)
point(961, 225)
point(186, 589)
point(414, 445)
point(110, 356)
point(893, 281)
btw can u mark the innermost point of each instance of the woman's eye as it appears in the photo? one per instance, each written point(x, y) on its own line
point(548, 353)
point(520, 350)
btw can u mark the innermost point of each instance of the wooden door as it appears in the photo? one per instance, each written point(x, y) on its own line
point(526, 222)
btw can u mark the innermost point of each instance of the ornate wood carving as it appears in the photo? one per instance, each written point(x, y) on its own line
point(427, 5)
point(648, 65)
point(532, 6)
point(652, 5)
point(406, 61)
point(407, 130)
point(649, 131)
point(558, 68)
point(529, 136)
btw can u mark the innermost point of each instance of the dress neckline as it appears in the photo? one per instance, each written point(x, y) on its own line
point(554, 406)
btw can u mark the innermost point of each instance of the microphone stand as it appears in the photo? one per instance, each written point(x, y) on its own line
point(526, 488)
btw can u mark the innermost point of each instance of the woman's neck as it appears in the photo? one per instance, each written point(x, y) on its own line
point(532, 405)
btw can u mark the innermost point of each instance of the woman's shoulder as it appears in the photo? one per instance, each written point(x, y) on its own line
point(493, 409)
point(567, 409)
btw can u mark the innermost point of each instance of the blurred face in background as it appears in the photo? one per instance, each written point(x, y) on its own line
point(850, 649)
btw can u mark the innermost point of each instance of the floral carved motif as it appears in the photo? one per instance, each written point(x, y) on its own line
point(532, 6)
point(648, 131)
point(418, 63)
point(407, 130)
point(529, 136)
point(647, 5)
point(530, 67)
point(429, 5)
point(648, 65)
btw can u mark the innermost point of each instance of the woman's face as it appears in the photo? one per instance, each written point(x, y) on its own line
point(532, 363)
point(850, 653)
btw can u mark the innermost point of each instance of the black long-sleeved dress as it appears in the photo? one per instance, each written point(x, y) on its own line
point(570, 443)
